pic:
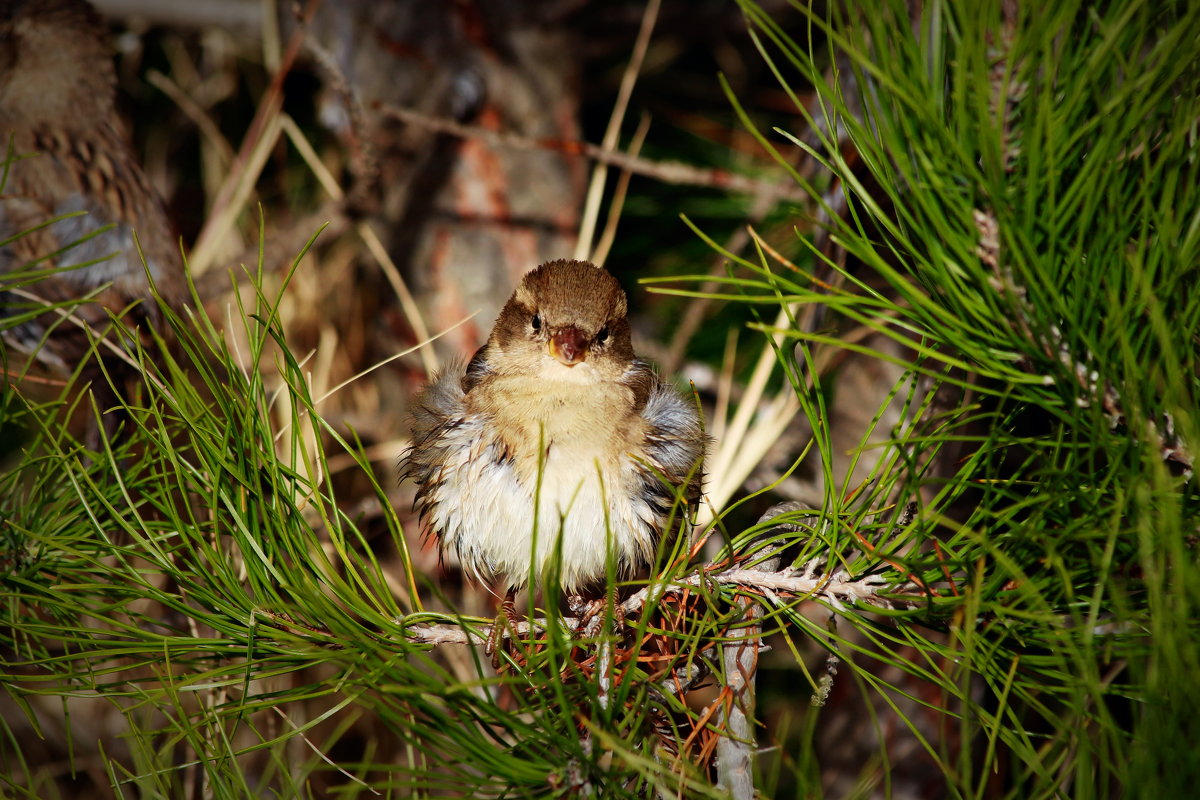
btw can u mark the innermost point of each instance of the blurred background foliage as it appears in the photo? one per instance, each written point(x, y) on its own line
point(935, 285)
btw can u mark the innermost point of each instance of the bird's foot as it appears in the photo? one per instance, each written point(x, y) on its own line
point(590, 615)
point(496, 644)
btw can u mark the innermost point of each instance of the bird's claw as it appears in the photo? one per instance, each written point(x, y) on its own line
point(496, 644)
point(590, 615)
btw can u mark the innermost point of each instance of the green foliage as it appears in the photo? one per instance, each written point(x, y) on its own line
point(199, 577)
point(1022, 224)
point(1017, 529)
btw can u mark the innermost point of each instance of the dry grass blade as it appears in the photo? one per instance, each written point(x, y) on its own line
point(754, 428)
point(595, 193)
point(604, 246)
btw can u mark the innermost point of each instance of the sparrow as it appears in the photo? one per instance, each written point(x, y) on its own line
point(65, 152)
point(555, 446)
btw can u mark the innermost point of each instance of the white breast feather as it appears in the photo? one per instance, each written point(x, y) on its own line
point(486, 510)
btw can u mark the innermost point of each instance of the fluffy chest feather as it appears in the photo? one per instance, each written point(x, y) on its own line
point(542, 469)
point(574, 426)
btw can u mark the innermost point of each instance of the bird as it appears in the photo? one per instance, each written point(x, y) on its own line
point(67, 162)
point(555, 448)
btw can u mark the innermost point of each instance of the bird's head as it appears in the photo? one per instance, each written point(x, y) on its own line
point(565, 321)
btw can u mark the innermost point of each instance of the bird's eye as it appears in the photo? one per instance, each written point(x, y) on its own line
point(536, 322)
point(602, 336)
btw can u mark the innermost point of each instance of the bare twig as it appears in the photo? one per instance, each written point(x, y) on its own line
point(837, 589)
point(673, 172)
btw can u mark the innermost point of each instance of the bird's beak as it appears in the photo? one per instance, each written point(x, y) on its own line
point(569, 346)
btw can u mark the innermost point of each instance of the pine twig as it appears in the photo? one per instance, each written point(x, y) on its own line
point(837, 589)
point(1166, 440)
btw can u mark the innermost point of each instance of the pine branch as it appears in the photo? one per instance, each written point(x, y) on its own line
point(739, 657)
point(839, 590)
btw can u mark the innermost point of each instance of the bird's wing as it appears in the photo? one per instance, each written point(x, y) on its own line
point(437, 409)
point(674, 436)
point(476, 368)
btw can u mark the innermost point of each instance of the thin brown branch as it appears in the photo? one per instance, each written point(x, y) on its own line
point(259, 132)
point(673, 172)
